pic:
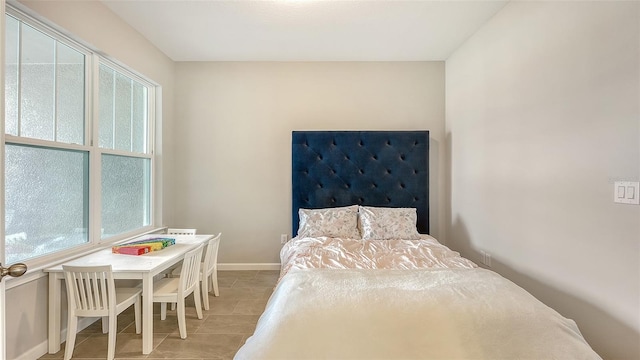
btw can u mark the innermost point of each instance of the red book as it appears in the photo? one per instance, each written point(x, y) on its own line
point(131, 250)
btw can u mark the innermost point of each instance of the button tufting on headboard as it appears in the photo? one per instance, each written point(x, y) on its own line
point(372, 168)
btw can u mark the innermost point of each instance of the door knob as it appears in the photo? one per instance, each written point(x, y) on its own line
point(14, 270)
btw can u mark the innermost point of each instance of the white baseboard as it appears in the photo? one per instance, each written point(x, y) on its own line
point(35, 352)
point(42, 348)
point(248, 266)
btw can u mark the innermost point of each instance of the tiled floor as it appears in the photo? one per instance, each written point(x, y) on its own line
point(231, 318)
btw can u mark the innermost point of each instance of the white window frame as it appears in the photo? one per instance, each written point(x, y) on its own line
point(93, 58)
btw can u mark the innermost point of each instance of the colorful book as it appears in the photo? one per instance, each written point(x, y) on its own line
point(153, 246)
point(165, 241)
point(130, 250)
point(145, 246)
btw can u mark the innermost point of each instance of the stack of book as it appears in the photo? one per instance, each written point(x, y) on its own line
point(140, 247)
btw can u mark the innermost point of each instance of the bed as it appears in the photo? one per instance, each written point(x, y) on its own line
point(362, 279)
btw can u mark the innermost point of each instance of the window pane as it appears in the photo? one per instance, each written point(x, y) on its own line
point(45, 86)
point(139, 118)
point(124, 112)
point(106, 106)
point(46, 200)
point(37, 84)
point(11, 75)
point(70, 96)
point(125, 193)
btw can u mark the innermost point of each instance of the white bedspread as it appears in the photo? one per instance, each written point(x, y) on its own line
point(394, 254)
point(418, 314)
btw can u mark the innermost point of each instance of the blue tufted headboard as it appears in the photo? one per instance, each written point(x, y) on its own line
point(371, 168)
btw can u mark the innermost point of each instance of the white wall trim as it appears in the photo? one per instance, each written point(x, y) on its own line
point(35, 352)
point(249, 266)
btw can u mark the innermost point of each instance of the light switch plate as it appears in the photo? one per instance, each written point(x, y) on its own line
point(626, 192)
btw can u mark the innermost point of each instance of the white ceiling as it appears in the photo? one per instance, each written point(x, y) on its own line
point(303, 30)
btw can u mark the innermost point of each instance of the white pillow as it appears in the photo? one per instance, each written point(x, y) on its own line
point(339, 222)
point(379, 223)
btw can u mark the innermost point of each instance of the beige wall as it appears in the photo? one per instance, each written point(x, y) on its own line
point(233, 136)
point(542, 117)
point(26, 310)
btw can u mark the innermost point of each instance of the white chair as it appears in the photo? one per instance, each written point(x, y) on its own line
point(172, 231)
point(91, 292)
point(175, 290)
point(209, 271)
point(176, 270)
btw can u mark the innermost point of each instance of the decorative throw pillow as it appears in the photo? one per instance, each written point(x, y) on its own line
point(339, 222)
point(379, 223)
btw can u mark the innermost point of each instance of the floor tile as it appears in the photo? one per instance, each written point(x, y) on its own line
point(229, 324)
point(250, 307)
point(220, 306)
point(243, 293)
point(198, 346)
point(226, 282)
point(170, 324)
point(243, 274)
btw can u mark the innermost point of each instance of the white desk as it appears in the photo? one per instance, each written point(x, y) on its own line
point(141, 267)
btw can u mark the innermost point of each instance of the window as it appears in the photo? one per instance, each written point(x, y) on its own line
point(46, 200)
point(65, 154)
point(123, 112)
point(125, 193)
point(126, 186)
point(44, 86)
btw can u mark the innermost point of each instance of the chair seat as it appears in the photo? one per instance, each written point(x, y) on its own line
point(124, 294)
point(125, 297)
point(166, 288)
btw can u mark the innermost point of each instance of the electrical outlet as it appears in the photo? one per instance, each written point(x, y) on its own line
point(284, 238)
point(486, 258)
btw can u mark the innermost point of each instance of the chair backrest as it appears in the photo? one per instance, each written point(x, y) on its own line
point(91, 290)
point(173, 231)
point(190, 273)
point(211, 255)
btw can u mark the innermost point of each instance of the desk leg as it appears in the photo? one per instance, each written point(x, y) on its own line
point(55, 284)
point(147, 313)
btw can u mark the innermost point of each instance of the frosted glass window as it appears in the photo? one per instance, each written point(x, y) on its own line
point(139, 118)
point(12, 31)
point(70, 95)
point(37, 84)
point(125, 193)
point(106, 90)
point(47, 182)
point(123, 112)
point(45, 86)
point(46, 200)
